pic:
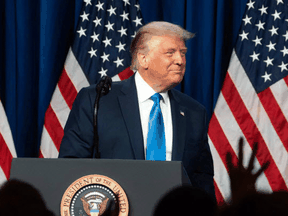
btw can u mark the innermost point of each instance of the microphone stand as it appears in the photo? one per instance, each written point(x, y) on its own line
point(102, 88)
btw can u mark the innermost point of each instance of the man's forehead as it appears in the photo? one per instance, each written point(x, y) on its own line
point(166, 41)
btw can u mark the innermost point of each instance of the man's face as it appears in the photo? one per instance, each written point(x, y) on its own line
point(166, 62)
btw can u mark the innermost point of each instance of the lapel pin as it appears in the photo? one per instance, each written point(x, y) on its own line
point(182, 113)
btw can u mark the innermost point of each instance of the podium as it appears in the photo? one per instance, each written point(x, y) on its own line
point(144, 182)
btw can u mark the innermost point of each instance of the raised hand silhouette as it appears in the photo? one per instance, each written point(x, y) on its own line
point(242, 180)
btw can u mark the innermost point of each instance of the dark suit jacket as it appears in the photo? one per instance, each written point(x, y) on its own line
point(120, 130)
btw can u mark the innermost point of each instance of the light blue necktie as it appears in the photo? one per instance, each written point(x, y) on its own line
point(156, 148)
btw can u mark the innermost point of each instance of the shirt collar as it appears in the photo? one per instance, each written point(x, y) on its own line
point(145, 91)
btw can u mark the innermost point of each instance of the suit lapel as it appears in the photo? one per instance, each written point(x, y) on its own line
point(179, 126)
point(130, 110)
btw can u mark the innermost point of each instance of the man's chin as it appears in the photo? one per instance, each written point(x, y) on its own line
point(177, 79)
point(175, 83)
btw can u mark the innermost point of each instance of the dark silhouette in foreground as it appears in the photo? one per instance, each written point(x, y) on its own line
point(246, 200)
point(242, 180)
point(259, 204)
point(20, 198)
point(185, 200)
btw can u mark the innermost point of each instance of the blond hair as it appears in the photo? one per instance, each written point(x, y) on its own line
point(159, 28)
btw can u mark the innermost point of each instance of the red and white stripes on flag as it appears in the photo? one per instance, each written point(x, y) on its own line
point(90, 57)
point(72, 80)
point(70, 83)
point(262, 118)
point(7, 148)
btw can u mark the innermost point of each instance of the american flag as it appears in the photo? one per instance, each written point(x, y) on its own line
point(253, 101)
point(101, 47)
point(7, 149)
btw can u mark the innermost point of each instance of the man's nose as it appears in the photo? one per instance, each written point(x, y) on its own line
point(179, 58)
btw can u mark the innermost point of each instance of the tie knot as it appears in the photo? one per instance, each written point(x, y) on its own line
point(156, 97)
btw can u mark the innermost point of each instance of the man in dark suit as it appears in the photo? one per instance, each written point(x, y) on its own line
point(125, 115)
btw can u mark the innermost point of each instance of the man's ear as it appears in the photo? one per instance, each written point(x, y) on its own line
point(142, 59)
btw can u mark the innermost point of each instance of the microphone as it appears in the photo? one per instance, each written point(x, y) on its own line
point(102, 88)
point(104, 85)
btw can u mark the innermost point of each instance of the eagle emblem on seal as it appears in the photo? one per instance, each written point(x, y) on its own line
point(94, 203)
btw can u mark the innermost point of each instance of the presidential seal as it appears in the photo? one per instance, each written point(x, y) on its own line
point(92, 195)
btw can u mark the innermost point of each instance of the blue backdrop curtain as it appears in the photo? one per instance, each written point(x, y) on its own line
point(35, 36)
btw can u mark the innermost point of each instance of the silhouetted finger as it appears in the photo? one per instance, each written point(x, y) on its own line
point(240, 154)
point(262, 169)
point(229, 161)
point(252, 157)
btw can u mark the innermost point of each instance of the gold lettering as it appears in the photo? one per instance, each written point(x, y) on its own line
point(74, 188)
point(71, 191)
point(66, 202)
point(69, 195)
point(86, 181)
point(107, 182)
point(123, 200)
point(119, 194)
point(77, 186)
point(122, 205)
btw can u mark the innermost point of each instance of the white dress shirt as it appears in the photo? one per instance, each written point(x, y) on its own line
point(144, 92)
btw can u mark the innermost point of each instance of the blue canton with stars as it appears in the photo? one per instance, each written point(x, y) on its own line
point(262, 45)
point(104, 34)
